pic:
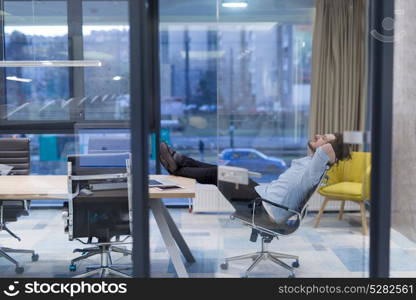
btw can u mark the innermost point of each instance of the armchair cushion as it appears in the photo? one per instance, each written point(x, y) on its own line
point(343, 190)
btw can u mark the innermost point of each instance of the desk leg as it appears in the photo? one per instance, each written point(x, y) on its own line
point(177, 235)
point(157, 208)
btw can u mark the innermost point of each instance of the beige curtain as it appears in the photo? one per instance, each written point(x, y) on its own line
point(339, 90)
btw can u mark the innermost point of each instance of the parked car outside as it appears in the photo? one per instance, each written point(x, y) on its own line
point(252, 160)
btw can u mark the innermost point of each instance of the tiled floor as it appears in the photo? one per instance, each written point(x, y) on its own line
point(335, 249)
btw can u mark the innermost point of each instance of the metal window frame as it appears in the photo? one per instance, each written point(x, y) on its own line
point(2, 70)
point(155, 76)
point(381, 59)
point(76, 52)
point(139, 92)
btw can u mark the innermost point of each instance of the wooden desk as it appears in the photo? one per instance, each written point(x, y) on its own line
point(54, 187)
point(51, 187)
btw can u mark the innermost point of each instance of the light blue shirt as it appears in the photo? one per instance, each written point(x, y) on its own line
point(291, 188)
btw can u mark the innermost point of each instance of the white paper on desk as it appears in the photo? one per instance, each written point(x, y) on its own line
point(5, 169)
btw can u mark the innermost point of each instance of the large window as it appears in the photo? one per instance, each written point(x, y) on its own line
point(35, 31)
point(189, 88)
point(58, 97)
point(239, 79)
point(245, 77)
point(88, 31)
point(264, 92)
point(106, 37)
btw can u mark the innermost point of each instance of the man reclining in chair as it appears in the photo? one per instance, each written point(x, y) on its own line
point(290, 189)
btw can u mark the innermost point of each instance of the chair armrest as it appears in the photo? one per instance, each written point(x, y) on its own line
point(275, 204)
point(279, 206)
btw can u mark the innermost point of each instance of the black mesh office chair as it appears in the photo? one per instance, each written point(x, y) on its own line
point(14, 153)
point(256, 217)
point(98, 214)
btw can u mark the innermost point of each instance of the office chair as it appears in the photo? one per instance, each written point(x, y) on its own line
point(98, 209)
point(256, 217)
point(14, 153)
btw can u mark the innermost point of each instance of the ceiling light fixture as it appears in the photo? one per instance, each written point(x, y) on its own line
point(49, 63)
point(234, 4)
point(14, 78)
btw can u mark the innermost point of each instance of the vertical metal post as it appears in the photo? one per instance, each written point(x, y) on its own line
point(139, 71)
point(187, 42)
point(155, 69)
point(381, 85)
point(75, 52)
point(3, 101)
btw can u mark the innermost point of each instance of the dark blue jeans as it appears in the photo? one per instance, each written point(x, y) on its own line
point(208, 174)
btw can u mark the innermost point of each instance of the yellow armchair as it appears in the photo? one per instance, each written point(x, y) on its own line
point(348, 180)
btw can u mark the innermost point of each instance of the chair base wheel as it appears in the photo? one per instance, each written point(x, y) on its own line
point(295, 264)
point(224, 266)
point(19, 270)
point(72, 268)
point(244, 276)
point(35, 257)
point(291, 276)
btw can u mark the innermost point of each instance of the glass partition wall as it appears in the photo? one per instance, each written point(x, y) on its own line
point(65, 86)
point(267, 113)
point(236, 85)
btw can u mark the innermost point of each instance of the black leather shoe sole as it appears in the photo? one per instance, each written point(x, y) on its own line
point(166, 158)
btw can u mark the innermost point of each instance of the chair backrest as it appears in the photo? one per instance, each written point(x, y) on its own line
point(16, 153)
point(352, 170)
point(261, 220)
point(103, 213)
point(304, 204)
point(357, 169)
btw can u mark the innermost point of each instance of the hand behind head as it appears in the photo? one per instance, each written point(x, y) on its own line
point(327, 148)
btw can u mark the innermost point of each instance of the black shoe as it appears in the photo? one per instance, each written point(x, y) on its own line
point(178, 158)
point(166, 158)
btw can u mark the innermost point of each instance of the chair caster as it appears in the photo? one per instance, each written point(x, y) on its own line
point(291, 276)
point(295, 264)
point(19, 270)
point(244, 276)
point(72, 268)
point(35, 257)
point(224, 266)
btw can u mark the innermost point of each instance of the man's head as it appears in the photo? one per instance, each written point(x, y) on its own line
point(342, 151)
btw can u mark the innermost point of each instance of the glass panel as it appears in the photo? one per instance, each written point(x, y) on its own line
point(188, 67)
point(36, 31)
point(188, 59)
point(264, 124)
point(106, 38)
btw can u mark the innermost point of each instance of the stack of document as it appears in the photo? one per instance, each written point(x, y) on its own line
point(5, 169)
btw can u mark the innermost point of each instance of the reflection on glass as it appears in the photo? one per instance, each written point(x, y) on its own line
point(264, 104)
point(106, 38)
point(33, 33)
point(188, 59)
point(264, 94)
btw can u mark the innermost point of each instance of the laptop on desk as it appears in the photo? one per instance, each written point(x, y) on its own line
point(162, 184)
